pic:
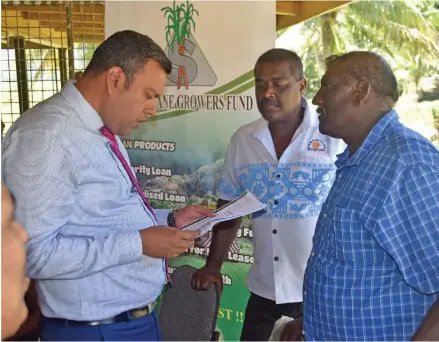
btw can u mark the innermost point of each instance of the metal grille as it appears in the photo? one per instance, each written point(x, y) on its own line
point(44, 44)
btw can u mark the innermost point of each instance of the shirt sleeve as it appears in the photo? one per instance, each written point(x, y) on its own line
point(228, 187)
point(162, 216)
point(408, 228)
point(41, 174)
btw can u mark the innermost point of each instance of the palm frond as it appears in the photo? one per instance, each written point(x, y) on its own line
point(365, 39)
point(394, 22)
point(338, 42)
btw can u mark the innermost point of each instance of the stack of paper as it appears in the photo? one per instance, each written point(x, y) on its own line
point(245, 204)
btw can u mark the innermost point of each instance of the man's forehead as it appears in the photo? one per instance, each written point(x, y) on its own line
point(273, 70)
point(153, 67)
point(335, 70)
point(150, 80)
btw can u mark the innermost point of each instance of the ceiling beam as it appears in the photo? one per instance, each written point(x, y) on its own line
point(43, 17)
point(309, 10)
point(77, 8)
point(290, 8)
point(49, 28)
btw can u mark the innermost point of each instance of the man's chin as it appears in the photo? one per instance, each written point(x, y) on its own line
point(125, 132)
point(325, 131)
point(272, 116)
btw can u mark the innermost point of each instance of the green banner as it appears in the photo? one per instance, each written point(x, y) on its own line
point(177, 156)
point(185, 171)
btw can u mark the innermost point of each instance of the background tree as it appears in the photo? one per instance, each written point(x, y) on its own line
point(405, 31)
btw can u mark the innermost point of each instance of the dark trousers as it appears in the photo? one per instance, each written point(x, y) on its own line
point(261, 314)
point(140, 329)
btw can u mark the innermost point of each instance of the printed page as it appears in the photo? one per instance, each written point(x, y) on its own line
point(246, 204)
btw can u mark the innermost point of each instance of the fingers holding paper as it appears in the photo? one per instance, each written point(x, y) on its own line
point(166, 242)
point(191, 213)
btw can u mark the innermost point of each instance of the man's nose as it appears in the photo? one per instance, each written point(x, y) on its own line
point(151, 110)
point(269, 92)
point(317, 99)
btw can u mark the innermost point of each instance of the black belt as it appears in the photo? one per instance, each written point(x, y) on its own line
point(122, 317)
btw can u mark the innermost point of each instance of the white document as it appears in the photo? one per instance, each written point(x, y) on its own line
point(244, 205)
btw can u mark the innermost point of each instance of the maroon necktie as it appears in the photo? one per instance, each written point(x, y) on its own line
point(106, 132)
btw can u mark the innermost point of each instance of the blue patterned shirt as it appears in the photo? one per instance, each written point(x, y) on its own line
point(373, 270)
point(294, 188)
point(81, 211)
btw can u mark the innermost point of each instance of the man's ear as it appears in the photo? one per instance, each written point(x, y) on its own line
point(303, 86)
point(363, 91)
point(115, 79)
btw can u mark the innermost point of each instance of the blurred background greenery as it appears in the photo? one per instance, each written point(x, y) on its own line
point(405, 32)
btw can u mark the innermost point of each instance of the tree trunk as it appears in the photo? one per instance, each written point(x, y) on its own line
point(328, 21)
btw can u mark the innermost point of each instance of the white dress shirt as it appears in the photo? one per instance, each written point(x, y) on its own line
point(81, 211)
point(294, 189)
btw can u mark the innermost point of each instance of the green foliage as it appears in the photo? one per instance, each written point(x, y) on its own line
point(156, 204)
point(403, 31)
point(188, 21)
point(312, 75)
point(246, 221)
point(435, 114)
point(385, 26)
point(180, 21)
point(245, 247)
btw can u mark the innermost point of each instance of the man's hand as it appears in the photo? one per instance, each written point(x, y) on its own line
point(166, 242)
point(205, 276)
point(191, 213)
point(293, 331)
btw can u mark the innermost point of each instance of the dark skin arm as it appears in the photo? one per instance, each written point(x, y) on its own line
point(223, 235)
point(32, 322)
point(429, 328)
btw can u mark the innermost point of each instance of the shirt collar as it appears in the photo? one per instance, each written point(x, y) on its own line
point(376, 134)
point(309, 120)
point(82, 107)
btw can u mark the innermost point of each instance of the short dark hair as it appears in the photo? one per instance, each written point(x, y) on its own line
point(283, 55)
point(372, 66)
point(128, 50)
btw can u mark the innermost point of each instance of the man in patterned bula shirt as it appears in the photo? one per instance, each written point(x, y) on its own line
point(373, 270)
point(285, 161)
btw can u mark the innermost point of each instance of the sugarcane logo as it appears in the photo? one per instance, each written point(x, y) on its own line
point(190, 67)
